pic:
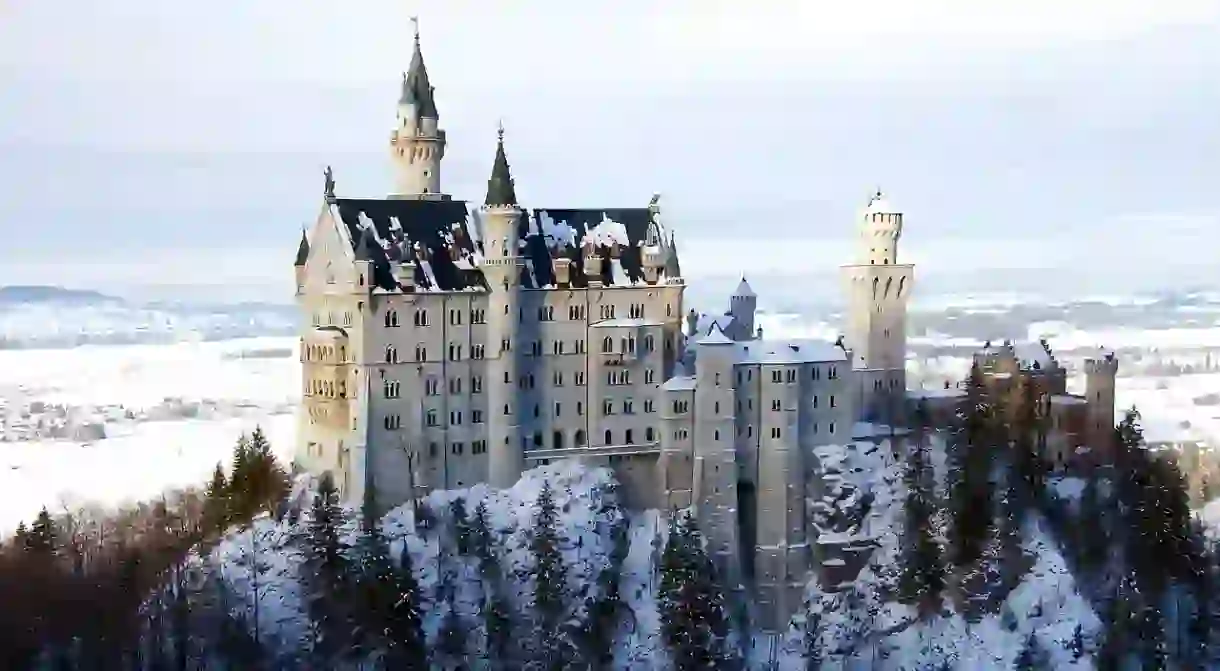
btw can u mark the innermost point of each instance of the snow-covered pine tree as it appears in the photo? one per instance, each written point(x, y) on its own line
point(694, 621)
point(549, 578)
point(922, 578)
point(461, 526)
point(1013, 560)
point(1032, 656)
point(811, 638)
point(404, 632)
point(323, 573)
point(497, 628)
point(268, 482)
point(969, 460)
point(373, 582)
point(451, 639)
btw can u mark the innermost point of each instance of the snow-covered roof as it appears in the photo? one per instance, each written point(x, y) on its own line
point(744, 290)
point(705, 322)
point(788, 351)
point(952, 392)
point(627, 322)
point(715, 337)
point(680, 383)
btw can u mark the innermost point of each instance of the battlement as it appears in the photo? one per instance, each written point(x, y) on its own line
point(1103, 364)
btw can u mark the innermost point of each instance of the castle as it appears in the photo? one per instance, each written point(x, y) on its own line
point(448, 344)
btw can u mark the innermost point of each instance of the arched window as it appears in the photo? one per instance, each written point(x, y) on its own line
point(557, 440)
point(607, 344)
point(580, 438)
point(609, 437)
point(628, 438)
point(391, 354)
point(537, 439)
point(649, 434)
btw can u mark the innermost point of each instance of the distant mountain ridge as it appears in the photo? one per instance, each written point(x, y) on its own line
point(36, 293)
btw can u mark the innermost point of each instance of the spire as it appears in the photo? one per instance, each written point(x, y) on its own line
point(500, 189)
point(878, 204)
point(302, 250)
point(744, 290)
point(416, 89)
point(672, 268)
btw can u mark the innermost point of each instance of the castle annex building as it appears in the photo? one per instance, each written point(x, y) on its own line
point(448, 344)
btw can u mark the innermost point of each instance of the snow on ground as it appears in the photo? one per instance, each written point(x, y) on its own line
point(140, 459)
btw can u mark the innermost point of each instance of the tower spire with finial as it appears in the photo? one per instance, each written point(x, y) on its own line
point(500, 188)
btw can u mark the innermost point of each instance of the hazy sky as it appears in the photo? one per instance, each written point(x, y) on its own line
point(1046, 134)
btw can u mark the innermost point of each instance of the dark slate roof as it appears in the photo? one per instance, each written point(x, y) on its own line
point(500, 189)
point(302, 250)
point(431, 233)
point(436, 235)
point(416, 89)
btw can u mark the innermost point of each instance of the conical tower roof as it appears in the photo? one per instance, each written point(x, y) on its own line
point(500, 188)
point(416, 89)
point(302, 250)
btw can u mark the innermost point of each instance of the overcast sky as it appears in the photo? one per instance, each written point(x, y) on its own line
point(1045, 134)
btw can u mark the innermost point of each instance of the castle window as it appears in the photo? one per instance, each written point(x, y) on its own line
point(609, 437)
point(476, 384)
point(391, 318)
point(537, 410)
point(649, 434)
point(391, 354)
point(628, 407)
point(775, 404)
point(580, 438)
point(580, 346)
point(430, 418)
point(648, 406)
point(815, 402)
point(507, 409)
point(833, 374)
point(478, 447)
point(455, 352)
point(421, 354)
point(832, 428)
point(716, 435)
point(430, 386)
point(580, 378)
point(456, 448)
point(607, 407)
point(775, 432)
point(531, 380)
point(717, 410)
point(507, 378)
point(455, 418)
point(717, 379)
point(455, 385)
point(478, 316)
point(832, 400)
point(455, 317)
point(777, 376)
point(557, 347)
point(536, 348)
point(392, 388)
point(506, 345)
point(476, 351)
point(347, 318)
point(537, 439)
point(790, 376)
point(628, 438)
point(557, 378)
point(607, 344)
point(816, 373)
point(476, 416)
point(580, 408)
point(649, 375)
point(557, 440)
point(558, 408)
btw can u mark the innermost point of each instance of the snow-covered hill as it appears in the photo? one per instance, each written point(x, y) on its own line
point(862, 627)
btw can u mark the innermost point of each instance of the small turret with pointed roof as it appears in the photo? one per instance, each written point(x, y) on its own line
point(500, 189)
point(302, 250)
point(416, 89)
point(742, 305)
point(673, 269)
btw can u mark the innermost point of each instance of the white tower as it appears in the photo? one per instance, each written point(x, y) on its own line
point(715, 475)
point(878, 288)
point(417, 144)
point(502, 267)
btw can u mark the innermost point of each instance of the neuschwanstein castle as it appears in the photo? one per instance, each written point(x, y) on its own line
point(448, 344)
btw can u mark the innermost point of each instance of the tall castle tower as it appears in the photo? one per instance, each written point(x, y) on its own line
point(502, 265)
point(417, 144)
point(878, 288)
point(1100, 373)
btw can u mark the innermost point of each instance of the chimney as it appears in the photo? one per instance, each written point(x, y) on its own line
point(562, 266)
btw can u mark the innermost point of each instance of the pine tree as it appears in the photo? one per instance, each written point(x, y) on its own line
point(812, 640)
point(461, 525)
point(498, 628)
point(216, 502)
point(1013, 561)
point(1155, 655)
point(922, 576)
point(451, 639)
point(1031, 656)
point(694, 622)
point(240, 480)
point(40, 540)
point(324, 569)
point(549, 578)
point(267, 483)
point(404, 630)
point(481, 544)
point(970, 454)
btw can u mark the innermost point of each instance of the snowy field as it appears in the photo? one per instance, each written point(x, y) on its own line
point(170, 413)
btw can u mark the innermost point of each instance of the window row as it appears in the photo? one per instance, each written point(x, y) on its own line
point(330, 388)
point(789, 376)
point(324, 352)
point(328, 319)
